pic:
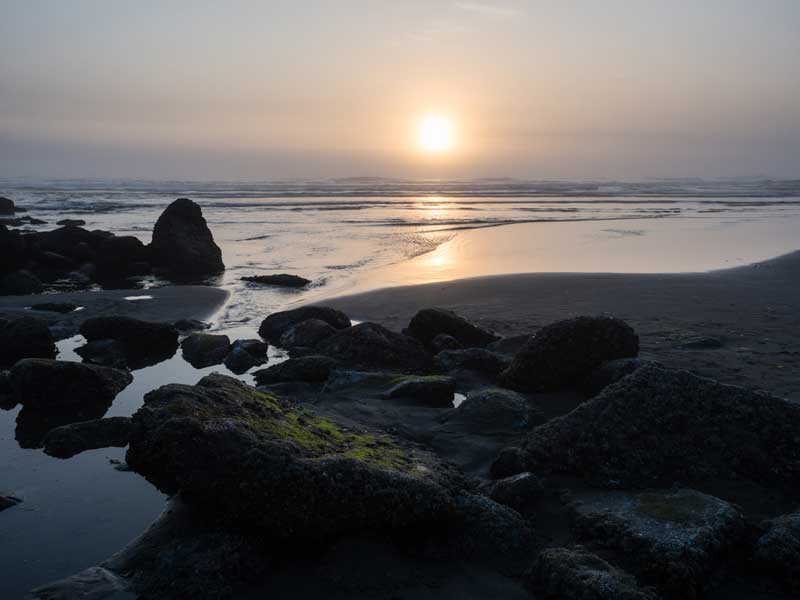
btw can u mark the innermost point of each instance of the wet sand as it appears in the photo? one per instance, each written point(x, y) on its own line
point(752, 311)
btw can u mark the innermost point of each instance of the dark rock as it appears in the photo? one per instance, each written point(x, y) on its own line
point(510, 345)
point(69, 242)
point(313, 369)
point(281, 280)
point(182, 242)
point(246, 354)
point(444, 341)
point(517, 491)
point(432, 390)
point(510, 461)
point(190, 325)
point(55, 261)
point(57, 307)
point(343, 380)
point(7, 401)
point(146, 343)
point(122, 256)
point(34, 424)
point(94, 583)
point(20, 283)
point(69, 440)
point(777, 551)
point(565, 351)
point(576, 574)
point(703, 343)
point(12, 250)
point(658, 426)
point(371, 346)
point(430, 322)
point(245, 457)
point(71, 222)
point(473, 359)
point(494, 410)
point(306, 333)
point(108, 353)
point(609, 372)
point(277, 323)
point(52, 385)
point(204, 349)
point(25, 337)
point(675, 537)
point(8, 502)
point(7, 206)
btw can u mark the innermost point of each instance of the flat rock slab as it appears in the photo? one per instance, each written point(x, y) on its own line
point(675, 537)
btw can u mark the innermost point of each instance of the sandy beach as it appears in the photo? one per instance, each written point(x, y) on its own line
point(736, 325)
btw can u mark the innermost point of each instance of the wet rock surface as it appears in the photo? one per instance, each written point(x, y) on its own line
point(565, 351)
point(280, 280)
point(274, 326)
point(246, 354)
point(305, 368)
point(25, 337)
point(430, 322)
point(204, 349)
point(432, 390)
point(68, 440)
point(145, 342)
point(307, 334)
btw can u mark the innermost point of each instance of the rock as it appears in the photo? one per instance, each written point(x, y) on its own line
point(246, 354)
point(25, 337)
point(473, 359)
point(182, 242)
point(12, 250)
point(675, 537)
point(314, 369)
point(561, 353)
point(494, 410)
point(71, 222)
point(576, 574)
point(273, 327)
point(777, 551)
point(281, 280)
point(57, 307)
point(94, 583)
point(510, 461)
point(609, 372)
point(430, 322)
point(70, 242)
point(20, 283)
point(246, 458)
point(51, 385)
point(659, 426)
point(34, 424)
point(433, 390)
point(146, 343)
point(8, 502)
point(444, 341)
point(7, 401)
point(306, 333)
point(703, 343)
point(371, 346)
point(344, 379)
point(517, 491)
point(121, 256)
point(56, 262)
point(7, 206)
point(68, 440)
point(190, 325)
point(510, 345)
point(107, 353)
point(204, 349)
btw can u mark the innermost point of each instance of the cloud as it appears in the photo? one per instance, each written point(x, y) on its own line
point(486, 9)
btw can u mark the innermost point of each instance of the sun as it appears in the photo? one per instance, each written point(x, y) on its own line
point(435, 134)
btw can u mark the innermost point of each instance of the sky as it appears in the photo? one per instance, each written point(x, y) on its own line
point(537, 89)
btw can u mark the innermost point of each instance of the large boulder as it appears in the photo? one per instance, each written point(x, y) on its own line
point(121, 256)
point(182, 242)
point(145, 342)
point(276, 324)
point(68, 440)
point(371, 346)
point(675, 538)
point(659, 426)
point(563, 352)
point(205, 349)
point(55, 385)
point(576, 574)
point(493, 410)
point(777, 551)
point(306, 334)
point(430, 322)
point(313, 369)
point(7, 206)
point(25, 337)
point(248, 458)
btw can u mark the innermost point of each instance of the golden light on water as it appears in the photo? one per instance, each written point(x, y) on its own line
point(436, 134)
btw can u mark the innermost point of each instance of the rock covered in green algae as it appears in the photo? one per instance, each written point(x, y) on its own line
point(576, 574)
point(675, 537)
point(248, 458)
point(660, 426)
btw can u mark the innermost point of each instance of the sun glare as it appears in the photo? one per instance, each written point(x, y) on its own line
point(435, 134)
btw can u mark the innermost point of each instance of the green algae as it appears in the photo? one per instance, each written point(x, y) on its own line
point(683, 509)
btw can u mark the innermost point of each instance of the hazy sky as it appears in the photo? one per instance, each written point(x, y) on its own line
point(283, 89)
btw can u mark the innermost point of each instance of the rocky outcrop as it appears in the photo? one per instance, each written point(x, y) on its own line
point(562, 353)
point(121, 256)
point(576, 574)
point(432, 390)
point(7, 206)
point(658, 426)
point(276, 324)
point(25, 337)
point(204, 349)
point(245, 457)
point(71, 222)
point(312, 369)
point(68, 440)
point(430, 322)
point(777, 551)
point(145, 343)
point(306, 334)
point(182, 242)
point(494, 410)
point(371, 346)
point(675, 538)
point(279, 280)
point(246, 354)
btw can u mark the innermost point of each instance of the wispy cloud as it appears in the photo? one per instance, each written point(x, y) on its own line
point(489, 9)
